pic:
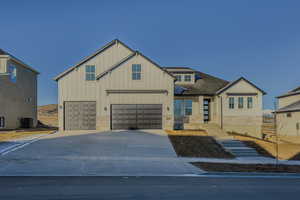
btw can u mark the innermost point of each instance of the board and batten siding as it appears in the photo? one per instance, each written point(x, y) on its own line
point(285, 101)
point(74, 87)
point(152, 78)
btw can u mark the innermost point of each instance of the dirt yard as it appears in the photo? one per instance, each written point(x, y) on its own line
point(228, 167)
point(193, 143)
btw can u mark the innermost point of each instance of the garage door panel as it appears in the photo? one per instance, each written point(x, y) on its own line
point(136, 116)
point(80, 115)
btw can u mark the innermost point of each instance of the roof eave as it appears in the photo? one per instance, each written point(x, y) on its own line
point(23, 64)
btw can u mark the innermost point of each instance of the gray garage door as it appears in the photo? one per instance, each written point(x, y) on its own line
point(80, 115)
point(136, 116)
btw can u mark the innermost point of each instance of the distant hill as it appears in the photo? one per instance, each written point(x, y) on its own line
point(48, 115)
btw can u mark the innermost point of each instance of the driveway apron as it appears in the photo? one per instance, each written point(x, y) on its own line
point(120, 153)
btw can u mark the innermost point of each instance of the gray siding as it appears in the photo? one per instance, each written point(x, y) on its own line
point(13, 96)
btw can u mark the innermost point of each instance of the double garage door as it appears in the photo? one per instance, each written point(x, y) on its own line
point(136, 116)
point(81, 115)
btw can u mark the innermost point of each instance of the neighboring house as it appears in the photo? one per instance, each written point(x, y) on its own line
point(18, 93)
point(119, 88)
point(288, 113)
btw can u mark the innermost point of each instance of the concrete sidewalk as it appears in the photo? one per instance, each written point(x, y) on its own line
point(122, 153)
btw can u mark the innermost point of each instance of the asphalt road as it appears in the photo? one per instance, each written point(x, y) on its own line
point(141, 188)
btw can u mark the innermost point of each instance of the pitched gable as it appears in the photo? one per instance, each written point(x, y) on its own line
point(97, 53)
point(228, 86)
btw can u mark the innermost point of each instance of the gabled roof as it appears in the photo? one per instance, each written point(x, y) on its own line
point(235, 82)
point(290, 108)
point(291, 93)
point(108, 45)
point(4, 53)
point(127, 59)
point(204, 84)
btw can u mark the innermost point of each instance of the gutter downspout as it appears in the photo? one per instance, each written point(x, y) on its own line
point(221, 112)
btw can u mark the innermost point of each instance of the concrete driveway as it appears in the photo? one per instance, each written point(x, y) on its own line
point(122, 153)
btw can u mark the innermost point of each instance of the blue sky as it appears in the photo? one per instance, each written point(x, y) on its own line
point(257, 39)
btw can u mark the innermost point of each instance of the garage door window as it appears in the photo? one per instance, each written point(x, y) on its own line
point(2, 122)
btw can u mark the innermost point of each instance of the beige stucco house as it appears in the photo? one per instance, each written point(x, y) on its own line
point(288, 113)
point(18, 93)
point(119, 88)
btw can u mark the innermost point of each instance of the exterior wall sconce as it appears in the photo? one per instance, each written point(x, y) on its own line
point(168, 108)
point(105, 108)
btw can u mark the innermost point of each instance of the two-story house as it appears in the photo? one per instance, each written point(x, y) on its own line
point(18, 93)
point(119, 88)
point(288, 113)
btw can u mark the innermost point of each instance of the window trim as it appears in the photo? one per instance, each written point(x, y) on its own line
point(136, 75)
point(240, 102)
point(89, 73)
point(2, 122)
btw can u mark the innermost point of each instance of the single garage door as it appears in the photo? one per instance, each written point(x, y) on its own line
point(136, 116)
point(80, 115)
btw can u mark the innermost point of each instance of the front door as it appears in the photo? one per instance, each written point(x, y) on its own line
point(206, 110)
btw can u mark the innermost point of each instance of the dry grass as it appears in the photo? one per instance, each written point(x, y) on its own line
point(48, 115)
point(286, 151)
point(187, 132)
point(12, 135)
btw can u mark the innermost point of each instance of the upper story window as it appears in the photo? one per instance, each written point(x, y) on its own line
point(2, 122)
point(178, 78)
point(136, 71)
point(90, 72)
point(250, 102)
point(231, 102)
point(241, 102)
point(12, 70)
point(187, 78)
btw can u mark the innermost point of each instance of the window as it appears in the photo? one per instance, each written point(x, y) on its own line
point(187, 78)
point(231, 102)
point(12, 70)
point(178, 78)
point(28, 100)
point(2, 122)
point(183, 107)
point(136, 71)
point(289, 114)
point(250, 102)
point(241, 102)
point(90, 73)
point(188, 107)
